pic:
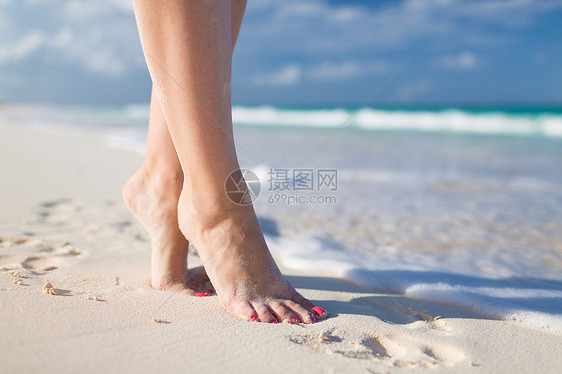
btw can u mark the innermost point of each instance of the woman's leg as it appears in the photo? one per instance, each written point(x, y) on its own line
point(187, 45)
point(152, 195)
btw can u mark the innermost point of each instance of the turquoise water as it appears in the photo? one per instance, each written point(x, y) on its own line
point(521, 121)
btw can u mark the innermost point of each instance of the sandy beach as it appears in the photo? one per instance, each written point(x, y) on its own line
point(62, 221)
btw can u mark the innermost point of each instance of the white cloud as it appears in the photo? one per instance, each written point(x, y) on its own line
point(65, 46)
point(346, 70)
point(315, 26)
point(91, 51)
point(286, 76)
point(540, 58)
point(96, 36)
point(462, 61)
point(77, 11)
point(414, 89)
point(22, 47)
point(324, 72)
point(310, 41)
point(103, 38)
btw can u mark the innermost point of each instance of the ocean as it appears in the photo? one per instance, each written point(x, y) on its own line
point(454, 205)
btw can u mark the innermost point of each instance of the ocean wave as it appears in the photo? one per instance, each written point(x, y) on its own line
point(547, 124)
point(532, 122)
point(497, 283)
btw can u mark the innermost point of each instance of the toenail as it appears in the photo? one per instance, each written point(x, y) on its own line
point(211, 291)
point(253, 318)
point(274, 321)
point(295, 320)
point(201, 294)
point(318, 311)
point(312, 319)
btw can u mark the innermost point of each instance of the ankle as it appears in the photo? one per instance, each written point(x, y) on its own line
point(162, 182)
point(210, 203)
point(175, 254)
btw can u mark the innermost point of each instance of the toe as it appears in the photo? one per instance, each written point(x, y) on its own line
point(320, 313)
point(202, 288)
point(317, 312)
point(303, 314)
point(299, 299)
point(264, 314)
point(185, 290)
point(244, 310)
point(196, 285)
point(209, 288)
point(282, 313)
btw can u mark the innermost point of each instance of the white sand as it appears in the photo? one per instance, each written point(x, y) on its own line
point(62, 221)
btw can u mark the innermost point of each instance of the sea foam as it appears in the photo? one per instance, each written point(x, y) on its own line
point(495, 283)
point(543, 123)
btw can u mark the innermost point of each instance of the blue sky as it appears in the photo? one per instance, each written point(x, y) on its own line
point(301, 52)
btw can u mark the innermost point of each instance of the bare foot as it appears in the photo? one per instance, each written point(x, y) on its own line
point(240, 266)
point(153, 200)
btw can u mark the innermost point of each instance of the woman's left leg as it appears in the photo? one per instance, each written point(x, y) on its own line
point(152, 196)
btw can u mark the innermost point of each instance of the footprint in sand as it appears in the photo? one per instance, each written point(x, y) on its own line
point(34, 254)
point(391, 350)
point(10, 241)
point(55, 257)
point(59, 207)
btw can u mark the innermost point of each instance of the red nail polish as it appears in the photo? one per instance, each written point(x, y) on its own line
point(318, 311)
point(313, 319)
point(295, 320)
point(201, 294)
point(210, 291)
point(273, 321)
point(253, 318)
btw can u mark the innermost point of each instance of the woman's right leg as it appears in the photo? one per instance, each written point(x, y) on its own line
point(187, 46)
point(152, 195)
